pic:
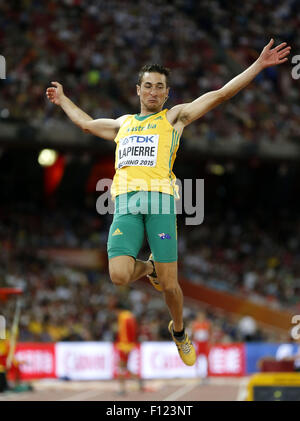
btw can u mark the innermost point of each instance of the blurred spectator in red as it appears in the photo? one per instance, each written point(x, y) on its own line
point(126, 341)
point(201, 332)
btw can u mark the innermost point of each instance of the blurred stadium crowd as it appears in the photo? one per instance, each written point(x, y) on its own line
point(65, 303)
point(253, 258)
point(95, 49)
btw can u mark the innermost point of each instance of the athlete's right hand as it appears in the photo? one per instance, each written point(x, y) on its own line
point(55, 94)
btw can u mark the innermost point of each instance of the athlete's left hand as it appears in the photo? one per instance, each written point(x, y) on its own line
point(272, 57)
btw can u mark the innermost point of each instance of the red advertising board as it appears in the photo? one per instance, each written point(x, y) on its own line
point(133, 362)
point(227, 360)
point(37, 360)
point(96, 360)
point(84, 360)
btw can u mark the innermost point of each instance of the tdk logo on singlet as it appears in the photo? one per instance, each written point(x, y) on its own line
point(137, 139)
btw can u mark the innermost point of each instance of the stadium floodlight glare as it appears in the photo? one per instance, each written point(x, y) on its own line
point(217, 169)
point(47, 157)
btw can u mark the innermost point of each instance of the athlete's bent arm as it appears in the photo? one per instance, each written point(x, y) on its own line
point(268, 57)
point(106, 128)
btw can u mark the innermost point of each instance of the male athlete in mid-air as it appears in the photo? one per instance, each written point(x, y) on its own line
point(146, 145)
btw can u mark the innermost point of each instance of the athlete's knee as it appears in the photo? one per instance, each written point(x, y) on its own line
point(170, 287)
point(119, 276)
point(121, 269)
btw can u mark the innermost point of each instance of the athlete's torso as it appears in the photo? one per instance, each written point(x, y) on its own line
point(145, 154)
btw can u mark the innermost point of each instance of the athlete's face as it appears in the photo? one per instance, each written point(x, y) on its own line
point(153, 91)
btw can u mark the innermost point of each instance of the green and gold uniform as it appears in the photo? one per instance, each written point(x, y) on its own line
point(144, 188)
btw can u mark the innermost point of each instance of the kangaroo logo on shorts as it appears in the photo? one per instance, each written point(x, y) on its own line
point(164, 236)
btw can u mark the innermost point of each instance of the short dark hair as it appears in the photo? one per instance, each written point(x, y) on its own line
point(157, 68)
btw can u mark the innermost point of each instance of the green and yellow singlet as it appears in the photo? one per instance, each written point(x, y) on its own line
point(145, 154)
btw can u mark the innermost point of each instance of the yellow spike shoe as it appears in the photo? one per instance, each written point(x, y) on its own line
point(185, 348)
point(153, 279)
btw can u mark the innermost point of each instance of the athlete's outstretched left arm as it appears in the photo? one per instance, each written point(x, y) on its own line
point(268, 57)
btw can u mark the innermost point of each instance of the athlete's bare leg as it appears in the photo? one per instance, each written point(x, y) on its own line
point(167, 274)
point(125, 269)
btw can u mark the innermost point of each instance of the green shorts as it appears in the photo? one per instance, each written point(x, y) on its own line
point(136, 212)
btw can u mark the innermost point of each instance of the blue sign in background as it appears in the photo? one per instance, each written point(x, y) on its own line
point(255, 351)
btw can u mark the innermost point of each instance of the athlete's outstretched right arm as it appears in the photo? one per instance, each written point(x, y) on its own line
point(186, 113)
point(106, 128)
